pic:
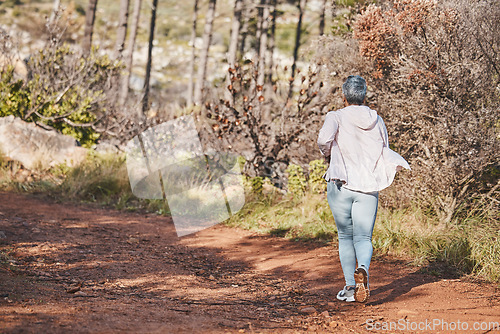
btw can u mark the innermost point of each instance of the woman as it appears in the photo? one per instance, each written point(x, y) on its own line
point(361, 164)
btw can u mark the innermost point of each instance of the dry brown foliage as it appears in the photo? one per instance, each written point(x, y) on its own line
point(435, 75)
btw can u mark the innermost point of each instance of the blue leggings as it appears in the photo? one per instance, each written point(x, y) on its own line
point(354, 213)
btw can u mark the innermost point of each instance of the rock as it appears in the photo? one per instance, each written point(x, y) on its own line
point(133, 240)
point(2, 235)
point(107, 148)
point(35, 147)
point(20, 68)
point(325, 314)
point(75, 288)
point(406, 312)
point(308, 310)
point(80, 293)
point(334, 324)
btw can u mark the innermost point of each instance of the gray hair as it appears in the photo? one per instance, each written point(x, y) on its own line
point(354, 89)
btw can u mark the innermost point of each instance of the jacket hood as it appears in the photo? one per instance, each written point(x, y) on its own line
point(360, 116)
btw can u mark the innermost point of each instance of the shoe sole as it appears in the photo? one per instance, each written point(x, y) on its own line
point(362, 293)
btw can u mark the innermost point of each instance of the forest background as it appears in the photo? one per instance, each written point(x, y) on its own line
point(259, 76)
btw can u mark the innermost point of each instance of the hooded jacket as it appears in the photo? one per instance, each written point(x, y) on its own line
point(356, 140)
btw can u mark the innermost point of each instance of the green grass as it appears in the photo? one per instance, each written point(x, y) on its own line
point(305, 218)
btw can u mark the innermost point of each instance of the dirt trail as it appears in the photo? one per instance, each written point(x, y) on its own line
point(128, 272)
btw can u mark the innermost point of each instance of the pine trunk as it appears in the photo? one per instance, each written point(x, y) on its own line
point(263, 42)
point(129, 54)
point(272, 42)
point(207, 38)
point(89, 26)
point(322, 18)
point(193, 55)
point(235, 31)
point(145, 99)
point(121, 32)
point(233, 45)
point(302, 7)
point(244, 28)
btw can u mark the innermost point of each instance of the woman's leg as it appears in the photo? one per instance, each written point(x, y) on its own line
point(364, 212)
point(340, 202)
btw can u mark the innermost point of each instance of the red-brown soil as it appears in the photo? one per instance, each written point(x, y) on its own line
point(71, 268)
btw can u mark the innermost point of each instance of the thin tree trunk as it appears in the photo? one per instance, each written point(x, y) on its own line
point(145, 99)
point(263, 42)
point(129, 54)
point(322, 18)
point(89, 26)
point(121, 32)
point(272, 35)
point(302, 7)
point(55, 10)
point(193, 55)
point(235, 31)
point(207, 37)
point(233, 45)
point(258, 33)
point(244, 28)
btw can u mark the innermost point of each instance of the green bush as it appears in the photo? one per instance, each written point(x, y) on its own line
point(66, 91)
point(14, 97)
point(317, 169)
point(296, 180)
point(257, 185)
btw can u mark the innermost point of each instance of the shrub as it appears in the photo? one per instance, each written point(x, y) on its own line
point(257, 184)
point(317, 169)
point(65, 89)
point(436, 75)
point(296, 180)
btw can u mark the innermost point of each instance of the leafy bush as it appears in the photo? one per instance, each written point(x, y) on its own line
point(14, 97)
point(296, 180)
point(317, 168)
point(257, 184)
point(65, 90)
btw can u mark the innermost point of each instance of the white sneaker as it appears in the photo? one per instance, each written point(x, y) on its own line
point(346, 294)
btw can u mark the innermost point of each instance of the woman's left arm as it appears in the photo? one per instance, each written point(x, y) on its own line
point(327, 133)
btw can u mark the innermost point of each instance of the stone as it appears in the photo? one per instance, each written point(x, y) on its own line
point(308, 310)
point(37, 148)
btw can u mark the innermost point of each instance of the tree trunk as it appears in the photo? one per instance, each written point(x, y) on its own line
point(258, 33)
point(244, 28)
point(207, 38)
point(233, 45)
point(302, 7)
point(193, 55)
point(130, 52)
point(121, 32)
point(145, 99)
point(322, 18)
point(235, 31)
point(270, 48)
point(263, 42)
point(89, 26)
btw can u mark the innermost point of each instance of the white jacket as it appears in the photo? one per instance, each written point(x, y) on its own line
point(356, 140)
